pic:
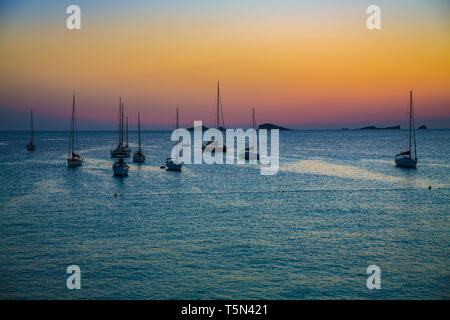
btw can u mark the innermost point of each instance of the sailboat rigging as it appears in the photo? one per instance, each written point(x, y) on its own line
point(138, 156)
point(250, 153)
point(407, 159)
point(121, 150)
point(174, 164)
point(30, 145)
point(73, 159)
point(213, 146)
point(126, 145)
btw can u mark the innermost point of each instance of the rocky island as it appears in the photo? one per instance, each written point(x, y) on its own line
point(271, 126)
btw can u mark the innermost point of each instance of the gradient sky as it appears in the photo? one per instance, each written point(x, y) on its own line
point(301, 64)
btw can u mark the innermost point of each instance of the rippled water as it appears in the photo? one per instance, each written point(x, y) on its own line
point(337, 205)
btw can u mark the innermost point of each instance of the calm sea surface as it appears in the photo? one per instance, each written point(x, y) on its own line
point(225, 231)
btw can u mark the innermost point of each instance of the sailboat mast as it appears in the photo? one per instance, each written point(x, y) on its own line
point(177, 120)
point(413, 127)
point(73, 125)
point(121, 126)
point(221, 113)
point(139, 130)
point(127, 131)
point(120, 112)
point(253, 119)
point(410, 122)
point(218, 106)
point(32, 128)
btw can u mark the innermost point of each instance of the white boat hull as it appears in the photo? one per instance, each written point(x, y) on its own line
point(172, 166)
point(406, 162)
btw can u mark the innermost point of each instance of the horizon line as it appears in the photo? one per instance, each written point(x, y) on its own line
point(288, 129)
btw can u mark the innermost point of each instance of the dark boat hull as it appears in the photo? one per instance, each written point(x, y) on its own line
point(74, 162)
point(406, 162)
point(31, 147)
point(120, 153)
point(138, 157)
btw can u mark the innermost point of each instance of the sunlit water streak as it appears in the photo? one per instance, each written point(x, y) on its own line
point(319, 167)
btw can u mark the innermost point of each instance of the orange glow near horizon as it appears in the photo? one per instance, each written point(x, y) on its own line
point(293, 69)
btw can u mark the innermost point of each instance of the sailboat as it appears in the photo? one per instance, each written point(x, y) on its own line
point(212, 145)
point(174, 164)
point(30, 145)
point(249, 153)
point(120, 168)
point(73, 159)
point(406, 159)
point(121, 150)
point(138, 156)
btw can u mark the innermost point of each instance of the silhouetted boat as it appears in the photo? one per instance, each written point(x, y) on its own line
point(30, 145)
point(406, 159)
point(250, 153)
point(73, 159)
point(138, 156)
point(120, 168)
point(174, 164)
point(213, 146)
point(121, 150)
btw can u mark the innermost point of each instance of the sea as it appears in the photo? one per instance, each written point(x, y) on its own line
point(337, 205)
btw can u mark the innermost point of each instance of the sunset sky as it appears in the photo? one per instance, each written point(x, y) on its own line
point(301, 64)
